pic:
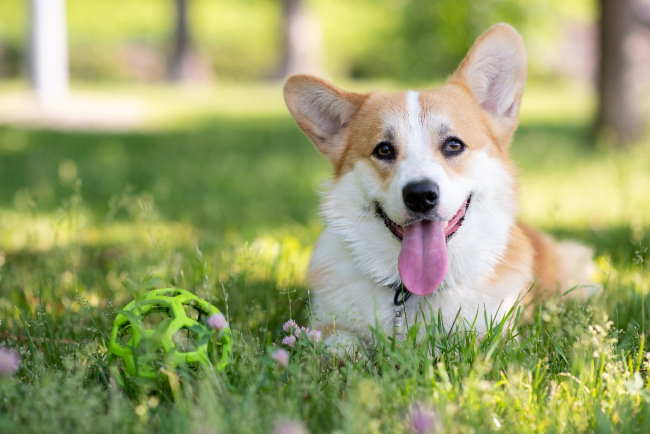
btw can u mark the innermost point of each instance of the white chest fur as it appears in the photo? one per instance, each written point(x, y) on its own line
point(351, 303)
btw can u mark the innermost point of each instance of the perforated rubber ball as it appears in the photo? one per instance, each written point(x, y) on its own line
point(167, 329)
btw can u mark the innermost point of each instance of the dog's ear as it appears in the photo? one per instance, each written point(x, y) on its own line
point(494, 71)
point(322, 111)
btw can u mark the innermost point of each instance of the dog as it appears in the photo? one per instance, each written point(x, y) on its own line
point(420, 217)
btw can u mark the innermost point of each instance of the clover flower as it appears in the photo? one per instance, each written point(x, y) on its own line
point(289, 340)
point(288, 426)
point(295, 332)
point(314, 335)
point(423, 419)
point(290, 326)
point(217, 321)
point(9, 361)
point(281, 356)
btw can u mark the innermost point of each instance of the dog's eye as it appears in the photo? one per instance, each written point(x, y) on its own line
point(452, 147)
point(384, 151)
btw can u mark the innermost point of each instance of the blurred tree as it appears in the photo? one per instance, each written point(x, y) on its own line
point(48, 51)
point(429, 38)
point(618, 117)
point(301, 39)
point(179, 61)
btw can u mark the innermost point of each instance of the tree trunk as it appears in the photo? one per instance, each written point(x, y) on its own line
point(301, 40)
point(618, 118)
point(48, 60)
point(180, 56)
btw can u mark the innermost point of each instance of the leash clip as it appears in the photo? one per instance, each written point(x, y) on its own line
point(401, 295)
point(399, 312)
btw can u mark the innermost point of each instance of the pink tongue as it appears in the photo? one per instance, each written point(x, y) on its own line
point(422, 261)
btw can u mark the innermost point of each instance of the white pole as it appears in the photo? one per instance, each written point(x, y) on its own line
point(49, 51)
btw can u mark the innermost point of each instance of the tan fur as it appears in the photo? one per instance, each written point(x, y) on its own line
point(331, 96)
point(363, 131)
point(519, 256)
point(558, 266)
point(503, 126)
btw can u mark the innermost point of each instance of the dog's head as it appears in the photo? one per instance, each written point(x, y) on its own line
point(422, 175)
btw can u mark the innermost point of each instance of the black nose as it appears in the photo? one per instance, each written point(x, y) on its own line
point(420, 196)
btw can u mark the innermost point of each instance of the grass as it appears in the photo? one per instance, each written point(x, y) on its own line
point(221, 200)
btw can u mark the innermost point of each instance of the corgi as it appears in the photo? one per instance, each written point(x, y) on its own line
point(420, 217)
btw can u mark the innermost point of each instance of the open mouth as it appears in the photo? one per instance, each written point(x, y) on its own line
point(452, 225)
point(423, 260)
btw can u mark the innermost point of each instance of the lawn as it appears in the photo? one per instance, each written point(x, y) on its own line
point(218, 194)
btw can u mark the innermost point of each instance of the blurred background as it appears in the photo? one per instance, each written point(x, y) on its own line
point(603, 45)
point(147, 141)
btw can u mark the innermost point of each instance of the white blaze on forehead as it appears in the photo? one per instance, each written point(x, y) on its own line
point(417, 134)
point(416, 140)
point(413, 111)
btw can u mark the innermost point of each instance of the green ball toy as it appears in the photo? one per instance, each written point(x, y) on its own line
point(168, 329)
